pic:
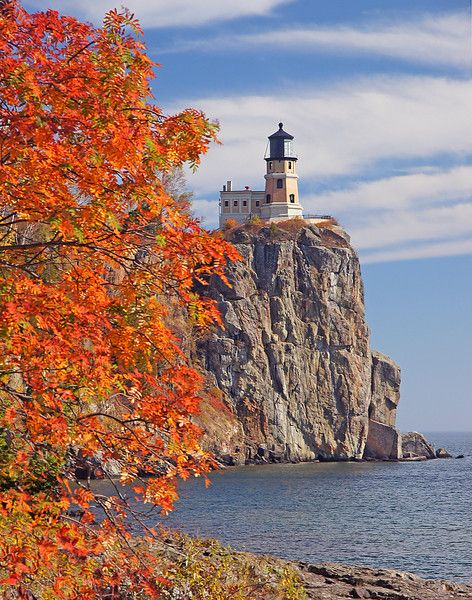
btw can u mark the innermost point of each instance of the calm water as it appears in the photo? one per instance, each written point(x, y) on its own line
point(408, 516)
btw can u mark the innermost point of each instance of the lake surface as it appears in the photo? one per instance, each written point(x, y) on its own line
point(409, 516)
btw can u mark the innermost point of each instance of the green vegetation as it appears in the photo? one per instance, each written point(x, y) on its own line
point(204, 569)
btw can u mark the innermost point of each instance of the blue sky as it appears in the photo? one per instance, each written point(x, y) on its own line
point(378, 94)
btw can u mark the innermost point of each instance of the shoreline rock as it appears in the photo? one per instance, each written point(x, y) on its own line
point(443, 453)
point(308, 581)
point(415, 444)
point(331, 581)
point(416, 447)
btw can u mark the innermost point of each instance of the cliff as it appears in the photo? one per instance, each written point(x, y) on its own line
point(293, 364)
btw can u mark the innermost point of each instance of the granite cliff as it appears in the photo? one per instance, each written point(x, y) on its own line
point(293, 365)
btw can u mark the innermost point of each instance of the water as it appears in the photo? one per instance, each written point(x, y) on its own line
point(407, 516)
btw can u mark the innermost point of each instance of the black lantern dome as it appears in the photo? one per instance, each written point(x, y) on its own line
point(281, 147)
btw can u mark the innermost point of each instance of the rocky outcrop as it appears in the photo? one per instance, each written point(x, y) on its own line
point(338, 582)
point(385, 389)
point(414, 444)
point(274, 578)
point(293, 363)
point(383, 439)
point(383, 442)
point(442, 453)
point(224, 435)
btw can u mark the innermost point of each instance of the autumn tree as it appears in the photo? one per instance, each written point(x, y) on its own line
point(93, 255)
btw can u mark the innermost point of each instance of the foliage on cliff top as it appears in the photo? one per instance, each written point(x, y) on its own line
point(289, 229)
point(90, 245)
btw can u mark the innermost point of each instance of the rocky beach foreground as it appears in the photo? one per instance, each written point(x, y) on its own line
point(335, 582)
point(238, 575)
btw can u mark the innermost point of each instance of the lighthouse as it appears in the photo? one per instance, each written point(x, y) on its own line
point(279, 201)
point(281, 189)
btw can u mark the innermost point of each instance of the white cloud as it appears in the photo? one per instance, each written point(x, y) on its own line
point(162, 13)
point(425, 187)
point(440, 40)
point(400, 227)
point(420, 215)
point(343, 130)
point(444, 248)
point(352, 131)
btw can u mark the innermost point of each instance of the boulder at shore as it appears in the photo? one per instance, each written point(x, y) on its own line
point(414, 444)
point(442, 453)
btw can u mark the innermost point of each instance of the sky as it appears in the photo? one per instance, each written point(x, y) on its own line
point(378, 94)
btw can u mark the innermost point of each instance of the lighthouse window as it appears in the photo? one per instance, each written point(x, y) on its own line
point(289, 165)
point(292, 198)
point(226, 203)
point(280, 183)
point(288, 148)
point(268, 199)
point(270, 166)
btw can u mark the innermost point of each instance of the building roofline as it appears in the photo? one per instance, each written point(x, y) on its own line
point(281, 134)
point(242, 192)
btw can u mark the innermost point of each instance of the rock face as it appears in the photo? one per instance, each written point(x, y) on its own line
point(415, 444)
point(224, 435)
point(326, 581)
point(383, 442)
point(386, 378)
point(383, 439)
point(337, 582)
point(442, 453)
point(294, 363)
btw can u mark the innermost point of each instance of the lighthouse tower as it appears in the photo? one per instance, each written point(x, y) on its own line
point(281, 189)
point(279, 201)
